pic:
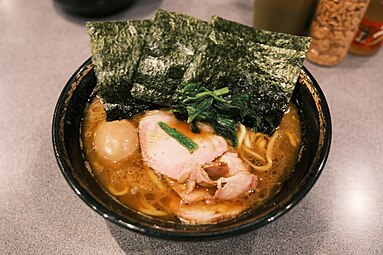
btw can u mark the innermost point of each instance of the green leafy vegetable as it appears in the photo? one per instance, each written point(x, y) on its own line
point(182, 139)
point(197, 103)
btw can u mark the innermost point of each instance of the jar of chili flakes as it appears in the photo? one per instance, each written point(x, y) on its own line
point(333, 28)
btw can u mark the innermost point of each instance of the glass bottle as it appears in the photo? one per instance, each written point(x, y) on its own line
point(286, 16)
point(333, 29)
point(369, 37)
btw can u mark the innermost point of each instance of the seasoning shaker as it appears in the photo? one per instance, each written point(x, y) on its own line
point(333, 28)
point(369, 36)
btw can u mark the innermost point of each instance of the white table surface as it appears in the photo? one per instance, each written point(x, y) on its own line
point(40, 48)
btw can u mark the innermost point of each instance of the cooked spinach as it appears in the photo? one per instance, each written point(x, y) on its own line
point(197, 103)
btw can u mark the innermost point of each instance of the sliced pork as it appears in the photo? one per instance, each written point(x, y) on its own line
point(235, 186)
point(234, 162)
point(189, 195)
point(210, 174)
point(211, 213)
point(216, 170)
point(167, 156)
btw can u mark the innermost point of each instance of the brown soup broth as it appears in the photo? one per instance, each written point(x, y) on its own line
point(132, 181)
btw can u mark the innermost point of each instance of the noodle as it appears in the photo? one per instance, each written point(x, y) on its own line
point(245, 141)
point(269, 152)
point(292, 139)
point(254, 154)
point(242, 133)
point(262, 143)
point(115, 192)
point(154, 178)
point(151, 210)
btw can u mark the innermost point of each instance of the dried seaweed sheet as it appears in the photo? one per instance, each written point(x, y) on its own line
point(116, 48)
point(139, 63)
point(299, 43)
point(171, 45)
point(267, 73)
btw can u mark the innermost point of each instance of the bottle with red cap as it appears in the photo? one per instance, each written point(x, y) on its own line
point(369, 37)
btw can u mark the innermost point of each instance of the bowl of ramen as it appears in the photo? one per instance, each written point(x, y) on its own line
point(203, 166)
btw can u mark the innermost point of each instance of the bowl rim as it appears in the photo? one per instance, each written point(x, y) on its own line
point(187, 236)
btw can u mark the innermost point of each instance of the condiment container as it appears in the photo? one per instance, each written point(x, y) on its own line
point(369, 37)
point(333, 29)
point(286, 16)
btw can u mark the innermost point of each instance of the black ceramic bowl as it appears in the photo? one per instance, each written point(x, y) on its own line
point(92, 8)
point(66, 142)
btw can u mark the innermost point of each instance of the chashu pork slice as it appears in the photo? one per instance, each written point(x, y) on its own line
point(167, 156)
point(203, 214)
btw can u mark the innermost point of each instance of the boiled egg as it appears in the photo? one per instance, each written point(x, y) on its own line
point(115, 140)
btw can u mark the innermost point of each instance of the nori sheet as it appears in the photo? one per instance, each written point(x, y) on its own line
point(171, 45)
point(267, 73)
point(282, 40)
point(116, 48)
point(142, 64)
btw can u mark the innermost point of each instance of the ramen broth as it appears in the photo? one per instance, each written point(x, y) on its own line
point(138, 187)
